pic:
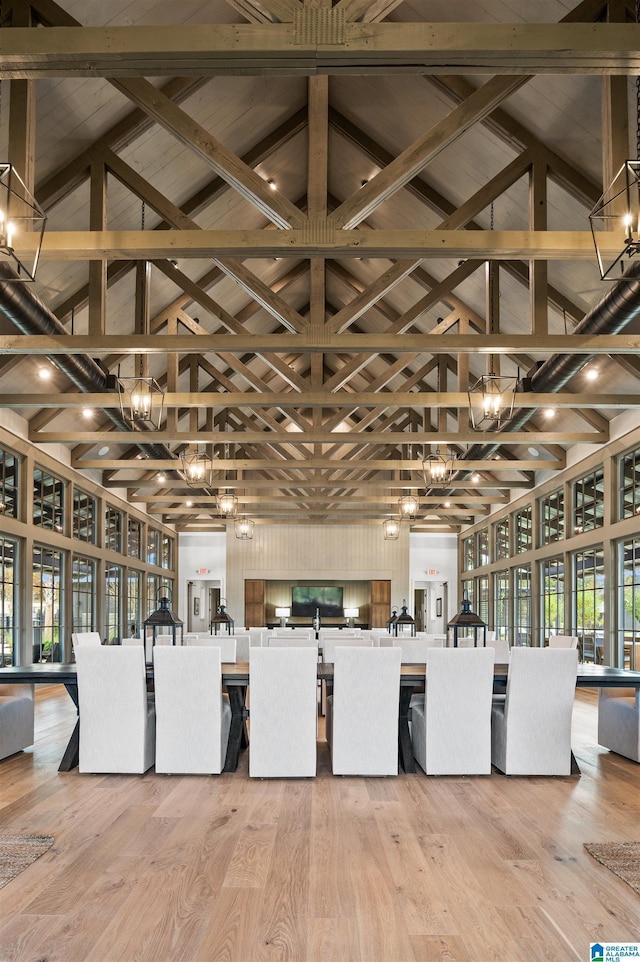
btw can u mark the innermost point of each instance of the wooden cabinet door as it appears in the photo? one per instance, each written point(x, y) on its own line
point(254, 612)
point(380, 603)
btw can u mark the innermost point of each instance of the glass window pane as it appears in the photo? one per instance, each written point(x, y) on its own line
point(48, 594)
point(8, 601)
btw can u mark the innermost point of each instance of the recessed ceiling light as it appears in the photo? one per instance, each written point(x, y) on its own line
point(161, 478)
point(533, 452)
point(87, 412)
point(447, 504)
point(44, 373)
point(591, 373)
point(103, 450)
point(189, 504)
point(272, 184)
point(475, 478)
point(550, 413)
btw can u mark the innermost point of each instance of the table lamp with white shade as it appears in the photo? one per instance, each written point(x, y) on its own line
point(350, 613)
point(283, 614)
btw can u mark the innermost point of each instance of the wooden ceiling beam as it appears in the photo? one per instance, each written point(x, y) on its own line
point(319, 241)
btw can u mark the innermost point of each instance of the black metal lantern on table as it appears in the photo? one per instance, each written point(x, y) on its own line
point(392, 620)
point(164, 621)
point(221, 620)
point(466, 623)
point(403, 622)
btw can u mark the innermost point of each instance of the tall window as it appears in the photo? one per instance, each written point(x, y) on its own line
point(588, 502)
point(588, 602)
point(468, 560)
point(482, 598)
point(47, 604)
point(9, 467)
point(48, 500)
point(552, 517)
point(134, 538)
point(482, 553)
point(134, 604)
point(113, 520)
point(501, 538)
point(167, 551)
point(8, 601)
point(552, 572)
point(628, 591)
point(153, 546)
point(153, 583)
point(113, 603)
point(501, 604)
point(522, 530)
point(83, 600)
point(84, 516)
point(629, 467)
point(522, 604)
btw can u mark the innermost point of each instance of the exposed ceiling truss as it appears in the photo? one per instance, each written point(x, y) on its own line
point(316, 331)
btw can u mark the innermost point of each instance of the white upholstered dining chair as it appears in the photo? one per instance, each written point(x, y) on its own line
point(85, 638)
point(16, 718)
point(362, 712)
point(283, 716)
point(531, 728)
point(563, 641)
point(226, 644)
point(117, 716)
point(451, 727)
point(619, 721)
point(193, 718)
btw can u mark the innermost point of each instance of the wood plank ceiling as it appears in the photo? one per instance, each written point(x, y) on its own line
point(315, 226)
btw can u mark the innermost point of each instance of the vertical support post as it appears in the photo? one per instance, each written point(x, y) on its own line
point(97, 269)
point(538, 274)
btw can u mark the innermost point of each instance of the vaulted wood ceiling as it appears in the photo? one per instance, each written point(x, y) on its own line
point(315, 226)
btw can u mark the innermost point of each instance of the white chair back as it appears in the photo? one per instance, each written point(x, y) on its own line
point(563, 641)
point(362, 713)
point(283, 712)
point(277, 641)
point(192, 717)
point(117, 730)
point(414, 650)
point(226, 644)
point(451, 732)
point(329, 646)
point(501, 649)
point(531, 729)
point(294, 632)
point(85, 638)
point(243, 643)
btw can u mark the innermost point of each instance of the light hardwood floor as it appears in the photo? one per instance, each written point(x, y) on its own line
point(408, 869)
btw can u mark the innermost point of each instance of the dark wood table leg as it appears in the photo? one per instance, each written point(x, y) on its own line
point(405, 748)
point(238, 738)
point(71, 755)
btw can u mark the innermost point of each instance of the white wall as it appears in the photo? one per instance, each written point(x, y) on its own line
point(328, 552)
point(439, 553)
point(195, 551)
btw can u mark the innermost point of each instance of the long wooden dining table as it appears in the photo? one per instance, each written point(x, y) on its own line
point(236, 679)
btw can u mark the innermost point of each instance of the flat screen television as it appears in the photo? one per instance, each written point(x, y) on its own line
point(327, 600)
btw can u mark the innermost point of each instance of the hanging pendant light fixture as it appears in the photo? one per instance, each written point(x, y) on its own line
point(391, 528)
point(227, 504)
point(141, 400)
point(20, 214)
point(492, 396)
point(617, 212)
point(244, 529)
point(437, 469)
point(197, 469)
point(408, 507)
